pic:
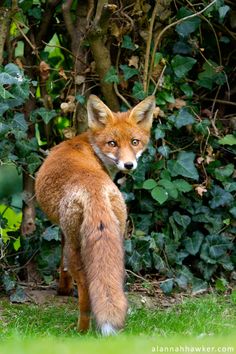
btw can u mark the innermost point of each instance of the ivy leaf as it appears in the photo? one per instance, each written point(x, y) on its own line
point(183, 118)
point(8, 283)
point(220, 197)
point(223, 10)
point(164, 96)
point(45, 114)
point(4, 129)
point(222, 173)
point(4, 93)
point(228, 139)
point(192, 244)
point(128, 43)
point(159, 194)
point(35, 12)
point(164, 150)
point(138, 91)
point(160, 131)
point(17, 244)
point(51, 233)
point(182, 185)
point(135, 260)
point(188, 26)
point(7, 79)
point(169, 187)
point(182, 220)
point(187, 90)
point(199, 286)
point(80, 99)
point(183, 166)
point(18, 296)
point(167, 286)
point(33, 162)
point(111, 76)
point(210, 75)
point(149, 184)
point(182, 65)
point(158, 263)
point(13, 70)
point(128, 71)
point(19, 122)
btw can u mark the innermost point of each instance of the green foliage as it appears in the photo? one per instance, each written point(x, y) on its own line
point(182, 196)
point(183, 207)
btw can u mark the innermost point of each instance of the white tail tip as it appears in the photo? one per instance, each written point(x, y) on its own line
point(108, 330)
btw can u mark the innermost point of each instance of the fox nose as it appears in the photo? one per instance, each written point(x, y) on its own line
point(129, 165)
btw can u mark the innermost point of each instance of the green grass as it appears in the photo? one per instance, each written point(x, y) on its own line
point(48, 329)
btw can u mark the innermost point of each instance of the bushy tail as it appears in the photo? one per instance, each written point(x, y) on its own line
point(103, 257)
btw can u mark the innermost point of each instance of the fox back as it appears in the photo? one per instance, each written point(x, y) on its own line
point(75, 189)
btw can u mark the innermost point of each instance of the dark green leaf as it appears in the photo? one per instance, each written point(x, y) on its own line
point(128, 43)
point(183, 118)
point(5, 94)
point(80, 99)
point(167, 286)
point(182, 185)
point(138, 91)
point(158, 263)
point(210, 75)
point(187, 90)
point(8, 282)
point(135, 260)
point(111, 76)
point(4, 128)
point(51, 233)
point(128, 246)
point(186, 27)
point(199, 286)
point(177, 232)
point(192, 244)
point(164, 150)
point(128, 71)
point(222, 173)
point(169, 187)
point(18, 296)
point(184, 165)
point(33, 162)
point(19, 122)
point(182, 65)
point(220, 197)
point(182, 220)
point(45, 114)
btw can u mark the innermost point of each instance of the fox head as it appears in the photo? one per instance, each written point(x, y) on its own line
point(119, 138)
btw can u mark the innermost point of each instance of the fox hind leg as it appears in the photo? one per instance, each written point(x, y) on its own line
point(65, 286)
point(78, 274)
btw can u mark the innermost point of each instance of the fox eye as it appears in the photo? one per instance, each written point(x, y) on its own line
point(112, 143)
point(134, 142)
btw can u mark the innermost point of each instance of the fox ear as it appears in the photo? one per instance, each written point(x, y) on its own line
point(142, 113)
point(98, 112)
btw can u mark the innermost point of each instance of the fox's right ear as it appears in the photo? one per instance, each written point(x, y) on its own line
point(98, 113)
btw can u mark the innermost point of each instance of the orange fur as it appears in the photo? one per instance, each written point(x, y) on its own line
point(74, 188)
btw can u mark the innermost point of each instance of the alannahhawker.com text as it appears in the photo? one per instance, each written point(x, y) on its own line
point(193, 349)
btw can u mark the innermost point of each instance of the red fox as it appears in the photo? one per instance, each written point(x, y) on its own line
point(75, 189)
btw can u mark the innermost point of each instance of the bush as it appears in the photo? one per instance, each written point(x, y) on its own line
point(181, 198)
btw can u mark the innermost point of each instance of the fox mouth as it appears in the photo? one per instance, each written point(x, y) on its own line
point(123, 167)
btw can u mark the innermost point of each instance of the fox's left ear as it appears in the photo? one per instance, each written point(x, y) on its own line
point(143, 112)
point(98, 113)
